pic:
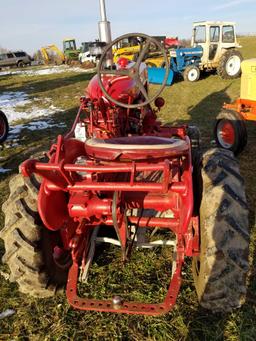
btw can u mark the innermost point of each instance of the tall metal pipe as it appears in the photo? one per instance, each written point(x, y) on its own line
point(104, 24)
point(103, 13)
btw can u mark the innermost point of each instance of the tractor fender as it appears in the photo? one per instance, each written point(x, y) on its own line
point(52, 207)
point(53, 203)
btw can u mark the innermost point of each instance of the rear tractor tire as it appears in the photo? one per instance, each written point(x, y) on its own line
point(191, 73)
point(230, 64)
point(220, 269)
point(230, 131)
point(29, 247)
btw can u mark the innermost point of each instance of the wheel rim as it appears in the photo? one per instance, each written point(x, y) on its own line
point(233, 65)
point(226, 134)
point(192, 75)
point(2, 127)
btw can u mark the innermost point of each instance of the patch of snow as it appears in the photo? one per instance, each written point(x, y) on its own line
point(7, 313)
point(13, 139)
point(79, 69)
point(40, 125)
point(14, 131)
point(3, 170)
point(46, 71)
point(34, 125)
point(9, 100)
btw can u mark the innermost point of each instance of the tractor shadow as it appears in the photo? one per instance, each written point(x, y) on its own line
point(205, 112)
point(47, 85)
point(39, 86)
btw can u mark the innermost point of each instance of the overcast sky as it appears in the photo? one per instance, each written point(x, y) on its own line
point(30, 24)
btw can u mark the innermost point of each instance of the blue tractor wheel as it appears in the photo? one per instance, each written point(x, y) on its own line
point(191, 73)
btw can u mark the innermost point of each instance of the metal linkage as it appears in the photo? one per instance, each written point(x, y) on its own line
point(117, 304)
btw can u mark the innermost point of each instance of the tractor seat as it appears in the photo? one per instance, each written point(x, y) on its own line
point(135, 148)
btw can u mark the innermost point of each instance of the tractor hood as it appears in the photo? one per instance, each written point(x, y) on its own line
point(119, 88)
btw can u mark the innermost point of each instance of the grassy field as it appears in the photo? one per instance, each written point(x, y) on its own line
point(54, 319)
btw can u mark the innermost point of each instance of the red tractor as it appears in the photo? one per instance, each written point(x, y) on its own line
point(4, 127)
point(115, 165)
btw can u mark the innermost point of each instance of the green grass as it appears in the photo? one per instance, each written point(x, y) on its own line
point(54, 319)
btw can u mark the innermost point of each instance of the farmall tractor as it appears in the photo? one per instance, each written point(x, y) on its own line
point(230, 129)
point(124, 172)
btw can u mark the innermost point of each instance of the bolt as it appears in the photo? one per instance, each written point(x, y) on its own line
point(117, 302)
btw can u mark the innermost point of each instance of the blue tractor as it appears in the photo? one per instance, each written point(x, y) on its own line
point(183, 61)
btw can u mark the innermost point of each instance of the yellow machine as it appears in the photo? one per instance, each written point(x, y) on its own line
point(248, 80)
point(127, 52)
point(52, 54)
point(156, 60)
point(44, 55)
point(131, 53)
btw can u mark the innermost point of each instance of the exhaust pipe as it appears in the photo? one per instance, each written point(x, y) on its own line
point(104, 24)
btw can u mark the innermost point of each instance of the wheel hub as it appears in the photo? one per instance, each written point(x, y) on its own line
point(192, 75)
point(226, 134)
point(233, 65)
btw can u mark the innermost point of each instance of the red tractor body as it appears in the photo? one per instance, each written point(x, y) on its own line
point(124, 171)
point(119, 87)
point(92, 183)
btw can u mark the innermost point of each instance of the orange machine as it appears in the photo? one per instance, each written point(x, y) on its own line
point(230, 130)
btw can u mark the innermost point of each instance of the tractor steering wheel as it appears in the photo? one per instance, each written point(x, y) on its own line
point(134, 71)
